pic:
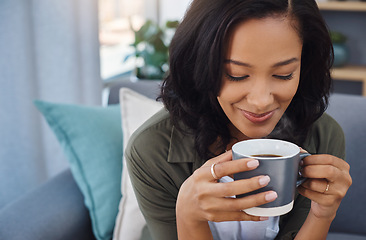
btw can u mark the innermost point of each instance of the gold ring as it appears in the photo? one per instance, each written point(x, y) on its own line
point(327, 188)
point(213, 172)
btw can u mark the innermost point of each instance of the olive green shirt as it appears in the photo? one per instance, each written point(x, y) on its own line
point(160, 158)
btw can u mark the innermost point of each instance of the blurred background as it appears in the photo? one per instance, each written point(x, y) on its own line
point(70, 51)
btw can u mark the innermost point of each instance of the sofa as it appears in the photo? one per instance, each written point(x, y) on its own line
point(56, 209)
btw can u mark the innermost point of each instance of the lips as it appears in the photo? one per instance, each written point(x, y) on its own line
point(257, 118)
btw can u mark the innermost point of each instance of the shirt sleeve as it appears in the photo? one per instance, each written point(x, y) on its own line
point(325, 137)
point(155, 193)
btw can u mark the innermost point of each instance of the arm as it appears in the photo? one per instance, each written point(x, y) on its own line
point(156, 203)
point(169, 205)
point(328, 183)
point(314, 227)
point(202, 199)
point(327, 167)
point(175, 189)
point(326, 137)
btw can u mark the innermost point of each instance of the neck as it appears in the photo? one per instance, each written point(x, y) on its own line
point(236, 135)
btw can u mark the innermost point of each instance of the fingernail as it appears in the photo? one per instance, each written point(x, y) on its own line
point(253, 163)
point(263, 218)
point(264, 180)
point(271, 196)
point(301, 162)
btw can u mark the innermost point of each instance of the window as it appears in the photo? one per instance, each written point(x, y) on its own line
point(115, 34)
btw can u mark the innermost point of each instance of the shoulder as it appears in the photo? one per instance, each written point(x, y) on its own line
point(150, 174)
point(159, 122)
point(327, 126)
point(326, 137)
point(151, 137)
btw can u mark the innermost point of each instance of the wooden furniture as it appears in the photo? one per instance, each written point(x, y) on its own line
point(347, 73)
point(342, 6)
point(351, 73)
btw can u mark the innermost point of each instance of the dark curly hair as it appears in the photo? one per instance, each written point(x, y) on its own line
point(190, 90)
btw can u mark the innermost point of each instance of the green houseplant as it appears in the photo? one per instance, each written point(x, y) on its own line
point(340, 49)
point(151, 49)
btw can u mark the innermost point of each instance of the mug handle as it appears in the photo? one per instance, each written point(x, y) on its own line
point(301, 179)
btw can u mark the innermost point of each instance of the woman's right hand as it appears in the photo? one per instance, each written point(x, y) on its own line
point(202, 198)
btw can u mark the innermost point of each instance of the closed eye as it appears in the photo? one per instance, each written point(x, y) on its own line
point(284, 77)
point(235, 79)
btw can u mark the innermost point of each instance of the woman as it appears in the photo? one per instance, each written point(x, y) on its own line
point(240, 69)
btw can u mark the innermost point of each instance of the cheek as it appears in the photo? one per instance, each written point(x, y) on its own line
point(288, 91)
point(225, 103)
point(226, 100)
point(231, 92)
point(223, 97)
point(222, 103)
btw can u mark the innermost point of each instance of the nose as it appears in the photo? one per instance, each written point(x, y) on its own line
point(260, 96)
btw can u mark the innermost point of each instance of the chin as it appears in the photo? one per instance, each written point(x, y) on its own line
point(257, 135)
point(259, 131)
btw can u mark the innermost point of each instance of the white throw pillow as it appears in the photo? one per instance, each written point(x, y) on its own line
point(135, 110)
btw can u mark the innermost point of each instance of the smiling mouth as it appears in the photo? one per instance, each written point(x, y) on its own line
point(257, 118)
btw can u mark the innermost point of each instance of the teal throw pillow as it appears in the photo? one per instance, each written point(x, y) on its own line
point(91, 138)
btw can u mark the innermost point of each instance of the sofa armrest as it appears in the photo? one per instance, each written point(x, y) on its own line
point(149, 88)
point(55, 210)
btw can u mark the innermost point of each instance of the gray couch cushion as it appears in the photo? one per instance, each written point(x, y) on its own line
point(53, 211)
point(341, 236)
point(350, 112)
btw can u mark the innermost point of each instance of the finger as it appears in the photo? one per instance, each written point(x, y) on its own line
point(230, 167)
point(233, 216)
point(328, 172)
point(226, 156)
point(317, 185)
point(303, 150)
point(325, 159)
point(238, 204)
point(256, 200)
point(207, 170)
point(320, 198)
point(240, 186)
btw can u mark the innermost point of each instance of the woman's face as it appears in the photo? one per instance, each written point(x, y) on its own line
point(261, 75)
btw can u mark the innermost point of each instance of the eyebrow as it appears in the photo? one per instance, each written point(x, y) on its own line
point(279, 64)
point(237, 63)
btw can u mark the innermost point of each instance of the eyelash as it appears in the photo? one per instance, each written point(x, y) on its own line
point(236, 79)
point(286, 77)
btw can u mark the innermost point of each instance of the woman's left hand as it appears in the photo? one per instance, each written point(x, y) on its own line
point(327, 183)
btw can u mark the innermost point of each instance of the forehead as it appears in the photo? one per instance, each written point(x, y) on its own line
point(264, 38)
point(270, 20)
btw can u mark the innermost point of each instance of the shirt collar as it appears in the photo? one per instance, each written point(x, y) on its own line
point(182, 150)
